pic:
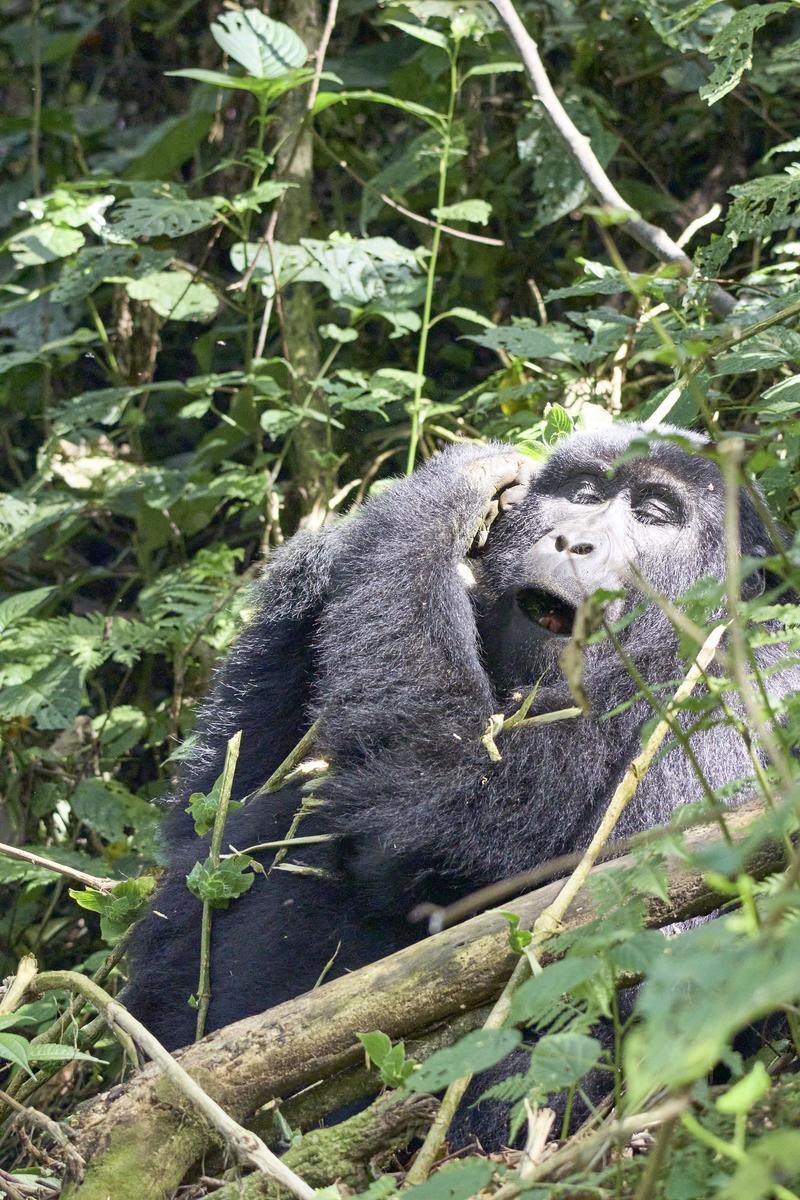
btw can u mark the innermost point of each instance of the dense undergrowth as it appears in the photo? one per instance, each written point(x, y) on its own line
point(224, 315)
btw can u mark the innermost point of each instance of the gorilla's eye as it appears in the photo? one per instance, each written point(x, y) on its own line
point(583, 491)
point(652, 508)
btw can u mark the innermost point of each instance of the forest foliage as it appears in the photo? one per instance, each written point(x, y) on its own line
point(242, 289)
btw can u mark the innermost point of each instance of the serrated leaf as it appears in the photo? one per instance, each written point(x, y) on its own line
point(119, 908)
point(734, 46)
point(535, 999)
point(562, 1059)
point(265, 48)
point(221, 884)
point(52, 696)
point(456, 1181)
point(475, 1052)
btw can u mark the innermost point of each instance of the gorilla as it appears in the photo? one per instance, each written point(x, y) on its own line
point(402, 629)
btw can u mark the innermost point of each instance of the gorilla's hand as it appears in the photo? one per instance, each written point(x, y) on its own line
point(504, 477)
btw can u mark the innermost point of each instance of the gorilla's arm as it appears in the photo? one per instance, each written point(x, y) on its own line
point(405, 700)
point(264, 685)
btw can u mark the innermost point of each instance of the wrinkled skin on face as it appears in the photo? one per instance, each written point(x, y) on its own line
point(592, 519)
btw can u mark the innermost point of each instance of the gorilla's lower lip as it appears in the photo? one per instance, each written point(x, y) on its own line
point(551, 612)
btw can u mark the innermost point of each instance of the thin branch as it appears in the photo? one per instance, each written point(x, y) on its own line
point(246, 1146)
point(225, 789)
point(401, 208)
point(57, 868)
point(549, 922)
point(19, 985)
point(292, 760)
point(652, 237)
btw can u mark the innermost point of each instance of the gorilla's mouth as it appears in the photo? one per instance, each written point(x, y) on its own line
point(551, 612)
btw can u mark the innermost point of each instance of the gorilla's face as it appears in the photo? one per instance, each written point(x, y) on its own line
point(593, 522)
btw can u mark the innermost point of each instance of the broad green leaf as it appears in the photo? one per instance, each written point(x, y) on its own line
point(422, 33)
point(44, 243)
point(16, 1049)
point(162, 217)
point(562, 1059)
point(175, 295)
point(51, 696)
point(265, 48)
point(707, 985)
point(475, 1052)
point(219, 79)
point(536, 999)
point(19, 605)
point(107, 807)
point(526, 339)
point(475, 211)
point(168, 146)
point(328, 99)
point(746, 1092)
point(455, 1181)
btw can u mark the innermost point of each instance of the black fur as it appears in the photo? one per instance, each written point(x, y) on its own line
point(370, 626)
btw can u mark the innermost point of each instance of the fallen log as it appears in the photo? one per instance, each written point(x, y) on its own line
point(139, 1140)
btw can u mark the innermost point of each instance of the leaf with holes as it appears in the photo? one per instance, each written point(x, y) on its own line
point(156, 216)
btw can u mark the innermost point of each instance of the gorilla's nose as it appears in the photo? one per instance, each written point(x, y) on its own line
point(574, 545)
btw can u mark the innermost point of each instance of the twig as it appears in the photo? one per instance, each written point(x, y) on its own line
point(653, 238)
point(292, 760)
point(246, 1146)
point(48, 864)
point(225, 789)
point(40, 1120)
point(19, 984)
point(580, 1151)
point(483, 239)
point(549, 922)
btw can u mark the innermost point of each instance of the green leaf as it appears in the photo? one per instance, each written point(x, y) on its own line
point(16, 1049)
point(746, 1092)
point(455, 1181)
point(536, 999)
point(422, 33)
point(475, 1052)
point(562, 1059)
point(168, 146)
point(110, 810)
point(492, 68)
point(377, 1046)
point(14, 608)
point(119, 908)
point(221, 884)
point(475, 211)
point(526, 339)
point(155, 216)
point(51, 697)
point(328, 99)
point(52, 1052)
point(44, 243)
point(734, 46)
point(708, 984)
point(265, 48)
point(175, 295)
point(220, 79)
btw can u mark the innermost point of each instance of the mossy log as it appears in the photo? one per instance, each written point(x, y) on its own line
point(139, 1140)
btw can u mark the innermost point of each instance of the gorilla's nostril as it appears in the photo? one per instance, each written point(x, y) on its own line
point(582, 548)
point(561, 542)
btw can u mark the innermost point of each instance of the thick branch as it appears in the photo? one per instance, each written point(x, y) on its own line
point(145, 1127)
point(653, 238)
